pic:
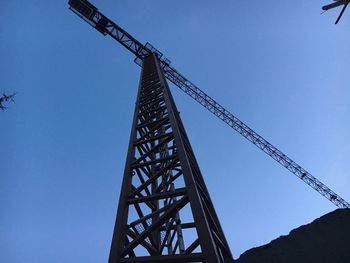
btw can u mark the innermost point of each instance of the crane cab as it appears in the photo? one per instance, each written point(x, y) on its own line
point(82, 8)
point(90, 14)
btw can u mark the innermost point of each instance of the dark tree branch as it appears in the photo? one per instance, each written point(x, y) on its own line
point(5, 98)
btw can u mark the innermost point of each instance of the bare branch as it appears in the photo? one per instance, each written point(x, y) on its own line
point(5, 98)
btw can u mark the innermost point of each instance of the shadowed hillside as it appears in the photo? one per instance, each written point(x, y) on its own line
point(325, 240)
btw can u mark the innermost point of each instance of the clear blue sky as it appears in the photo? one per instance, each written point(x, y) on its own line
point(279, 66)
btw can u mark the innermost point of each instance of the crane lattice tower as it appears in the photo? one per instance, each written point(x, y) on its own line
point(163, 185)
point(165, 213)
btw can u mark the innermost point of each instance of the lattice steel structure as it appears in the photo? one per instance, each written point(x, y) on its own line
point(165, 213)
point(104, 25)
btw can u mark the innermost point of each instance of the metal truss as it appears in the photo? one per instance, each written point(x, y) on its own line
point(95, 18)
point(165, 213)
point(248, 133)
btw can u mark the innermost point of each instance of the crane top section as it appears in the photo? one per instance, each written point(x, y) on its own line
point(89, 13)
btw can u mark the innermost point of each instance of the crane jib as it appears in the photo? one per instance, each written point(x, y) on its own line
point(90, 14)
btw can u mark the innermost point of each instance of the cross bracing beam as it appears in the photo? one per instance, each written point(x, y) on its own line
point(95, 18)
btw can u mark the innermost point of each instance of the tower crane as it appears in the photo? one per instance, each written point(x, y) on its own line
point(89, 13)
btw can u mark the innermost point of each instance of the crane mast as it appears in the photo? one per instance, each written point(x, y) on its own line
point(104, 25)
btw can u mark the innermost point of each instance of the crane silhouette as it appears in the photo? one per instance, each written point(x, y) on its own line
point(104, 25)
point(161, 176)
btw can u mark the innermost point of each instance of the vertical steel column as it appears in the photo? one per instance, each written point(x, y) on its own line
point(162, 184)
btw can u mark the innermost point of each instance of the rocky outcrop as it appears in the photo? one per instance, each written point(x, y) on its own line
point(325, 240)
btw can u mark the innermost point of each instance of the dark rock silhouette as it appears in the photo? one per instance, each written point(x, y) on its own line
point(325, 240)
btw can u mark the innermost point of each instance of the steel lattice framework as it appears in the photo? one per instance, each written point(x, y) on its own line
point(163, 184)
point(95, 18)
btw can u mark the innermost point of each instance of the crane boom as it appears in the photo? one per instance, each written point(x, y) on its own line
point(95, 18)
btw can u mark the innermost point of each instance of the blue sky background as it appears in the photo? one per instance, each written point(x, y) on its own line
point(279, 66)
